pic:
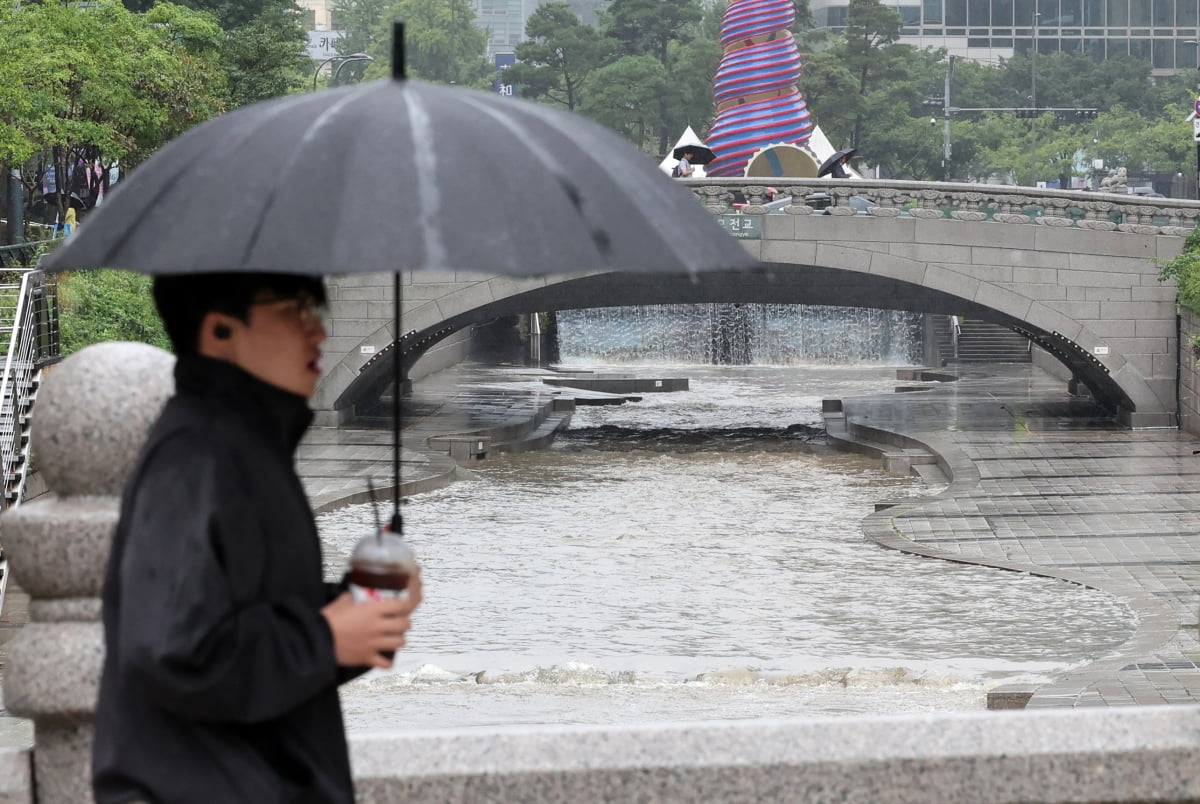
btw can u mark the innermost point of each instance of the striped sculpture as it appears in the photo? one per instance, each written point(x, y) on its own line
point(758, 102)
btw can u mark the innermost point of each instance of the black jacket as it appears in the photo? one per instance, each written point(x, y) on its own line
point(220, 682)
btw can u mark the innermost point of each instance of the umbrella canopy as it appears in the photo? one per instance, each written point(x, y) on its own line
point(838, 156)
point(701, 154)
point(400, 175)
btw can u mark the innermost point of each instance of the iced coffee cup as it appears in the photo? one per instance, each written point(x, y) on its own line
point(380, 567)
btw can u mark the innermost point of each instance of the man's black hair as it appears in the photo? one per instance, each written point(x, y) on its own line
point(184, 300)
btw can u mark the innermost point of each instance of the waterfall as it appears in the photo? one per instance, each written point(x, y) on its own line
point(740, 334)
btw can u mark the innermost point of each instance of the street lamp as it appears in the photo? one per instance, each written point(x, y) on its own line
point(343, 59)
point(1033, 100)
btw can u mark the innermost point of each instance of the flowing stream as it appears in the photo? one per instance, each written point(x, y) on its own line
point(688, 557)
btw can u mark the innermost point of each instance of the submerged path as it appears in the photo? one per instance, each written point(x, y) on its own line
point(1040, 484)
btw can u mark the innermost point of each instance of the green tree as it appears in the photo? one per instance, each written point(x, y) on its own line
point(442, 43)
point(648, 27)
point(652, 28)
point(1159, 144)
point(870, 27)
point(625, 96)
point(559, 53)
point(689, 102)
point(101, 83)
point(264, 56)
point(359, 22)
point(263, 48)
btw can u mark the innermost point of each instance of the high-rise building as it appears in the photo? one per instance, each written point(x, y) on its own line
point(316, 14)
point(505, 20)
point(987, 30)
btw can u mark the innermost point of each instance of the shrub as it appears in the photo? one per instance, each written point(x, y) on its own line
point(1185, 270)
point(107, 305)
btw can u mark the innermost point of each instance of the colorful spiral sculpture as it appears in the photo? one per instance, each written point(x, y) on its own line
point(758, 102)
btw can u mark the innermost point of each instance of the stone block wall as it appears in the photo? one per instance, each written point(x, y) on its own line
point(1189, 373)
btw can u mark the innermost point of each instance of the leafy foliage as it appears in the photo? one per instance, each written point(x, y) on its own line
point(264, 56)
point(442, 43)
point(104, 79)
point(97, 306)
point(1185, 270)
point(625, 96)
point(559, 53)
point(262, 49)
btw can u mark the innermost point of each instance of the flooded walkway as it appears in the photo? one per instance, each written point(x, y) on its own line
point(1041, 486)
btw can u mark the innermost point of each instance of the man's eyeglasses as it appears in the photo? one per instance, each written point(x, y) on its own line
point(308, 311)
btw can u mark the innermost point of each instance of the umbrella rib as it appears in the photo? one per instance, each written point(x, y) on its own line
point(308, 136)
point(600, 238)
point(178, 176)
point(429, 196)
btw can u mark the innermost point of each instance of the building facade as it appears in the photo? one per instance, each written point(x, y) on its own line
point(1163, 32)
point(317, 14)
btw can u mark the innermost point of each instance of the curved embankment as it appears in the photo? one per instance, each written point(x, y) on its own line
point(902, 451)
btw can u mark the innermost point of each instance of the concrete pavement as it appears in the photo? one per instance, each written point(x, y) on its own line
point(1041, 484)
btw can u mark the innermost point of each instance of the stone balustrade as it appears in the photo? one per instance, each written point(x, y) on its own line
point(93, 413)
point(998, 203)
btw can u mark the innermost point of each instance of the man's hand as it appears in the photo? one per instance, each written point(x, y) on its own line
point(366, 634)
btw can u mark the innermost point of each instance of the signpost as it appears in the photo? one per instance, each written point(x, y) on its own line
point(504, 60)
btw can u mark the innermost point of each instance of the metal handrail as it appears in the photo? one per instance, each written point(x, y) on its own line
point(32, 343)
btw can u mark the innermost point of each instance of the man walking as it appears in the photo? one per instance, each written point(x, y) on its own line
point(224, 645)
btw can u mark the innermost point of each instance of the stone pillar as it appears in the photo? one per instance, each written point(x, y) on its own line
point(91, 417)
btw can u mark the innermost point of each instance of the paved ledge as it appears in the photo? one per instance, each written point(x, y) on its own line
point(1041, 482)
point(1116, 755)
point(454, 418)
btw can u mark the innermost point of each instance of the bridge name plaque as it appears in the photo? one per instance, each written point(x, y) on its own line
point(745, 227)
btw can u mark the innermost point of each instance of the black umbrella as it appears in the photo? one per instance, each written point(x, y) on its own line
point(701, 154)
point(828, 164)
point(399, 175)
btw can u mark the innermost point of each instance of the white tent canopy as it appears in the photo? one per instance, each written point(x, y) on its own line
point(669, 162)
point(818, 144)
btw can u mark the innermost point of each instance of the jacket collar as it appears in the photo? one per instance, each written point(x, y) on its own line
point(282, 415)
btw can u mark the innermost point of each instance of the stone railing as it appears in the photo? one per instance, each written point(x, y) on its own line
point(1008, 204)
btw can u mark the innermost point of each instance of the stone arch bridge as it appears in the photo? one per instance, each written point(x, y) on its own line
point(1076, 272)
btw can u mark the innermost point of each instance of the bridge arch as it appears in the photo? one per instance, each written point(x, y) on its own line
point(1089, 297)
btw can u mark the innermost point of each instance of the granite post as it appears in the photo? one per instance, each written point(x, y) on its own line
point(91, 417)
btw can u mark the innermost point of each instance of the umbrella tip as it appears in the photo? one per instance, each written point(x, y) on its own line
point(398, 51)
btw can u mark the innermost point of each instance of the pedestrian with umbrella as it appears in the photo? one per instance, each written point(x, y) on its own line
point(224, 647)
point(835, 166)
point(684, 169)
point(691, 154)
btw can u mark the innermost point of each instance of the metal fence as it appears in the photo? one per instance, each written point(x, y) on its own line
point(29, 337)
